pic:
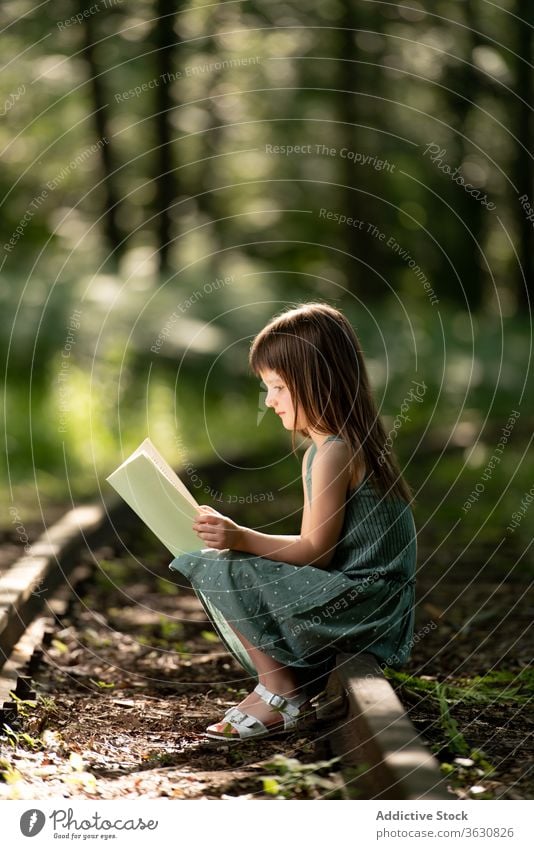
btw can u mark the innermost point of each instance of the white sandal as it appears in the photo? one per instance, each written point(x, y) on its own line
point(248, 726)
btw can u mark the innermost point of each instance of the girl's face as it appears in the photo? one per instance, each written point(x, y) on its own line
point(279, 399)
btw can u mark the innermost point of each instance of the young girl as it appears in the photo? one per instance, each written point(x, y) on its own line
point(286, 605)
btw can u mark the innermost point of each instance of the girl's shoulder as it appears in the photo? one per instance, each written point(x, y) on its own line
point(330, 444)
point(312, 449)
point(334, 450)
point(340, 446)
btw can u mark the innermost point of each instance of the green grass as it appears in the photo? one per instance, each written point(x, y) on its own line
point(500, 686)
point(467, 761)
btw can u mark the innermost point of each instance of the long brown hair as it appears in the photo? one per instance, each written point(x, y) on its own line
point(314, 348)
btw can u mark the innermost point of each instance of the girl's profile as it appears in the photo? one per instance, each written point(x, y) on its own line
point(287, 605)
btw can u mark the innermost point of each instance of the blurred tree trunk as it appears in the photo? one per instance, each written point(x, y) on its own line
point(208, 201)
point(467, 83)
point(524, 176)
point(110, 224)
point(164, 39)
point(361, 279)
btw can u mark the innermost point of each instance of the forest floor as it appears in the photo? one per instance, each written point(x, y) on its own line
point(136, 673)
point(129, 684)
point(469, 685)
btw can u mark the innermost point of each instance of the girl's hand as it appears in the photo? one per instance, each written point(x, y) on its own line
point(216, 530)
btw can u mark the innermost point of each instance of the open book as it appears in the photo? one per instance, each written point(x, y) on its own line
point(151, 488)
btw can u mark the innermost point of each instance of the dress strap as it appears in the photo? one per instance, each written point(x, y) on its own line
point(313, 449)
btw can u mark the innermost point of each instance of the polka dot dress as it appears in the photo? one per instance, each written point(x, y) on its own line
point(302, 615)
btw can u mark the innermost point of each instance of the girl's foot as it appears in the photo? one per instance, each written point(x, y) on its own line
point(255, 706)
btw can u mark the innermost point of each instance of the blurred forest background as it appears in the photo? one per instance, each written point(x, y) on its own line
point(176, 173)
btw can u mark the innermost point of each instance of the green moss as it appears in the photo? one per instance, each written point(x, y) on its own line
point(502, 686)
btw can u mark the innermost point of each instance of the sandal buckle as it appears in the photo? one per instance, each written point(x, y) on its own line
point(276, 701)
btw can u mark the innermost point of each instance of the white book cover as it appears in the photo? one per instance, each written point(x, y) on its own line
point(155, 492)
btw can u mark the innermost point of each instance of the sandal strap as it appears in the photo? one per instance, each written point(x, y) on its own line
point(245, 724)
point(288, 708)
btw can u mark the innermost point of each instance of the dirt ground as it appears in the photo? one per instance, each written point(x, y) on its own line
point(135, 673)
point(131, 680)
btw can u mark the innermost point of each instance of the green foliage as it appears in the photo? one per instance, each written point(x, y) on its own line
point(497, 686)
point(455, 739)
point(166, 587)
point(102, 685)
point(485, 689)
point(21, 739)
point(94, 640)
point(59, 646)
point(241, 209)
point(48, 708)
point(47, 704)
point(169, 629)
point(293, 779)
point(209, 636)
point(504, 685)
point(157, 759)
point(8, 773)
point(114, 572)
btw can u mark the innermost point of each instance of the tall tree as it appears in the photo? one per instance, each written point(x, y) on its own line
point(524, 165)
point(164, 39)
point(111, 227)
point(467, 84)
point(351, 80)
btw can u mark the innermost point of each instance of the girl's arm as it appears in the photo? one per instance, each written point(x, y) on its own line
point(321, 520)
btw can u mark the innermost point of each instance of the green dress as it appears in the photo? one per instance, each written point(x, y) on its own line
point(303, 615)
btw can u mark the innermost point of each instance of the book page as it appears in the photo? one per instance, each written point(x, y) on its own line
point(159, 503)
point(148, 448)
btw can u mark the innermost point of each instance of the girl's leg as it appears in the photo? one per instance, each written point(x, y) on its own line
point(274, 676)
